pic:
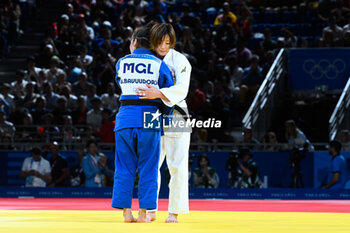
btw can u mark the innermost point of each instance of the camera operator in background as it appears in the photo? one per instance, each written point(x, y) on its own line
point(295, 137)
point(234, 171)
point(298, 145)
point(250, 170)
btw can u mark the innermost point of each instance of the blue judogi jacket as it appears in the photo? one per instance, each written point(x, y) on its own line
point(134, 71)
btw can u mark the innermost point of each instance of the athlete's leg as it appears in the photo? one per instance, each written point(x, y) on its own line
point(125, 169)
point(177, 160)
point(148, 150)
point(152, 213)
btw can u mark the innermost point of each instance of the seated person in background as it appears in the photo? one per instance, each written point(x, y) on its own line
point(250, 175)
point(338, 172)
point(205, 176)
point(36, 170)
point(270, 142)
point(92, 170)
point(77, 178)
point(107, 174)
point(296, 138)
point(59, 167)
point(248, 139)
point(345, 139)
point(251, 81)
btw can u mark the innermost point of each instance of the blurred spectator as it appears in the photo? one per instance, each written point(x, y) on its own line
point(80, 87)
point(333, 28)
point(50, 97)
point(46, 53)
point(30, 96)
point(10, 99)
point(94, 116)
point(110, 99)
point(248, 139)
point(60, 83)
point(295, 137)
point(77, 177)
point(251, 81)
point(32, 71)
point(92, 171)
point(270, 142)
point(79, 115)
point(6, 127)
point(36, 170)
point(28, 131)
point(6, 142)
point(205, 176)
point(49, 132)
point(242, 53)
point(71, 99)
point(250, 170)
point(84, 57)
point(85, 34)
point(345, 139)
point(225, 16)
point(39, 110)
point(338, 173)
point(235, 73)
point(290, 41)
point(195, 98)
point(59, 167)
point(60, 110)
point(106, 132)
point(17, 87)
point(74, 69)
point(70, 133)
point(103, 69)
point(270, 58)
point(54, 71)
point(63, 28)
point(188, 41)
point(12, 12)
point(268, 43)
point(157, 10)
point(107, 174)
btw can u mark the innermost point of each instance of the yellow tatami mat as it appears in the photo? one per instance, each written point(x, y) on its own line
point(70, 221)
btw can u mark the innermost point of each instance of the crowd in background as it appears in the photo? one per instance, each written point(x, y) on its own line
point(67, 92)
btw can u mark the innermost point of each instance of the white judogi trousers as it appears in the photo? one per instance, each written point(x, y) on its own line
point(175, 149)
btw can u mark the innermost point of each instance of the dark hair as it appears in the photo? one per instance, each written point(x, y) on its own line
point(20, 73)
point(159, 31)
point(35, 151)
point(336, 145)
point(205, 156)
point(142, 37)
point(244, 151)
point(91, 142)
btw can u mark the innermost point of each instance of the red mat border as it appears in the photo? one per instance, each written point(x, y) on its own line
point(317, 206)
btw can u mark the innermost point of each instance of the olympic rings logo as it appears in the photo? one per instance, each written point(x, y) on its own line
point(324, 68)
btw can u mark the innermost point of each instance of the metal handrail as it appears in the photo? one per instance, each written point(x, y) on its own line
point(340, 116)
point(195, 146)
point(263, 98)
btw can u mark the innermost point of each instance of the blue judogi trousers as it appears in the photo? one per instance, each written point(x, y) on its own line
point(136, 148)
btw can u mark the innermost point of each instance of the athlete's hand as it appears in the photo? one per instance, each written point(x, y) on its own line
point(148, 93)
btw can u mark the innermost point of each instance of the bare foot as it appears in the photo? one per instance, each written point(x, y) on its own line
point(128, 217)
point(152, 215)
point(172, 218)
point(143, 216)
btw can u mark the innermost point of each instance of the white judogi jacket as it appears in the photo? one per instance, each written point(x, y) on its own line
point(180, 68)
